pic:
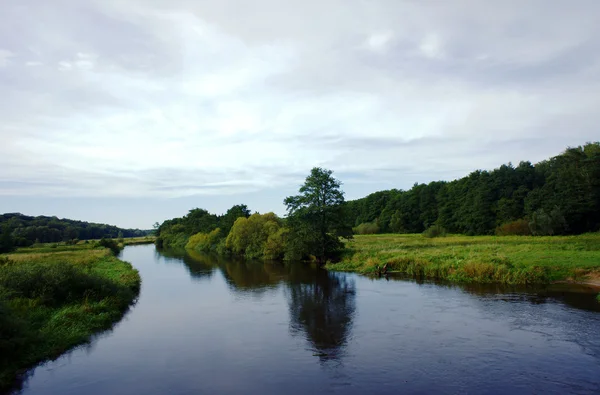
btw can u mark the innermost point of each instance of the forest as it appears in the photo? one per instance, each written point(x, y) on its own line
point(22, 231)
point(560, 195)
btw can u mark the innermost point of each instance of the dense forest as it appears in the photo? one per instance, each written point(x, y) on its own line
point(560, 195)
point(23, 230)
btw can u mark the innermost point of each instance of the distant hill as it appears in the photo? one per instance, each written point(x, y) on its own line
point(26, 230)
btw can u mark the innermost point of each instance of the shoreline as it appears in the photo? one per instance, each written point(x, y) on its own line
point(44, 324)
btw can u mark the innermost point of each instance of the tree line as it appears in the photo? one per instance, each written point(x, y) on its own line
point(313, 227)
point(18, 230)
point(560, 195)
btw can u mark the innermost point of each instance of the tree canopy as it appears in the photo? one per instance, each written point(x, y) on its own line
point(25, 230)
point(316, 217)
point(560, 195)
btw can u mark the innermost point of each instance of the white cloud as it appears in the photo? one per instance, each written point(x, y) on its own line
point(431, 46)
point(171, 98)
point(5, 57)
point(379, 41)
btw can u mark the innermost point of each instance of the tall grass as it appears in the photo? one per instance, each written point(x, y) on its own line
point(483, 259)
point(51, 302)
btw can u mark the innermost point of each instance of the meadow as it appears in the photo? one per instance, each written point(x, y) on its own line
point(482, 259)
point(54, 297)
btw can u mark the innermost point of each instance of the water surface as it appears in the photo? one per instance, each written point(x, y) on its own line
point(204, 325)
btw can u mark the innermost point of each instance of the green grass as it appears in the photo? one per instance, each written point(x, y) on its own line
point(53, 301)
point(485, 259)
point(138, 240)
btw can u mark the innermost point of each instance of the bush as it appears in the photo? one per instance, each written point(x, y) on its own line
point(367, 228)
point(111, 244)
point(258, 236)
point(544, 224)
point(204, 242)
point(519, 227)
point(435, 231)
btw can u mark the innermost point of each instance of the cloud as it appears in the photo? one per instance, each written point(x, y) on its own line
point(5, 57)
point(177, 98)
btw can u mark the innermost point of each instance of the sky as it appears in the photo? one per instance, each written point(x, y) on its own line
point(130, 112)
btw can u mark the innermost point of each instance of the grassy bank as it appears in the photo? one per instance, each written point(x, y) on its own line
point(138, 240)
point(486, 259)
point(51, 301)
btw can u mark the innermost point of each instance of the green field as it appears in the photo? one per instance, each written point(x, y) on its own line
point(485, 259)
point(55, 297)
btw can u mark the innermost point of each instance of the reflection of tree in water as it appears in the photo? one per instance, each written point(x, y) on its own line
point(254, 277)
point(322, 305)
point(199, 265)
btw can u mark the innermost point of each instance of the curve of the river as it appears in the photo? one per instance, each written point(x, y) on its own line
point(204, 325)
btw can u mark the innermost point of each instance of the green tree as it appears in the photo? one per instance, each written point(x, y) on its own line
point(235, 212)
point(7, 243)
point(316, 217)
point(258, 236)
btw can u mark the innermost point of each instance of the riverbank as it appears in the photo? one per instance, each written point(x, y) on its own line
point(483, 259)
point(52, 301)
point(132, 241)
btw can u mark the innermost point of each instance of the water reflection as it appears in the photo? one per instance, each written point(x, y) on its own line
point(199, 265)
point(579, 296)
point(322, 307)
point(210, 325)
point(321, 303)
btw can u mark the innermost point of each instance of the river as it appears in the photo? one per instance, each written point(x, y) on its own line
point(204, 325)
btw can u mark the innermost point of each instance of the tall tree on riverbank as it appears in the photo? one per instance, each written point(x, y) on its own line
point(316, 217)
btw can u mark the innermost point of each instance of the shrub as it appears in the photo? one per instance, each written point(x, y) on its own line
point(258, 236)
point(544, 224)
point(367, 228)
point(111, 244)
point(519, 227)
point(204, 242)
point(435, 231)
point(275, 245)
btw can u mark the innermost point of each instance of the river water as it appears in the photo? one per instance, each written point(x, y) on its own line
point(204, 325)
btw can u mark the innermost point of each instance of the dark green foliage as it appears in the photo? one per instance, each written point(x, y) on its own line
point(175, 233)
point(111, 244)
point(547, 224)
point(27, 230)
point(317, 217)
point(434, 231)
point(7, 243)
point(558, 196)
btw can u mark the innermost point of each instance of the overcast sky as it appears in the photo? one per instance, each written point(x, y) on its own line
point(134, 111)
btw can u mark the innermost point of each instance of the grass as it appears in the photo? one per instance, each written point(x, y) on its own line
point(483, 259)
point(53, 301)
point(138, 240)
